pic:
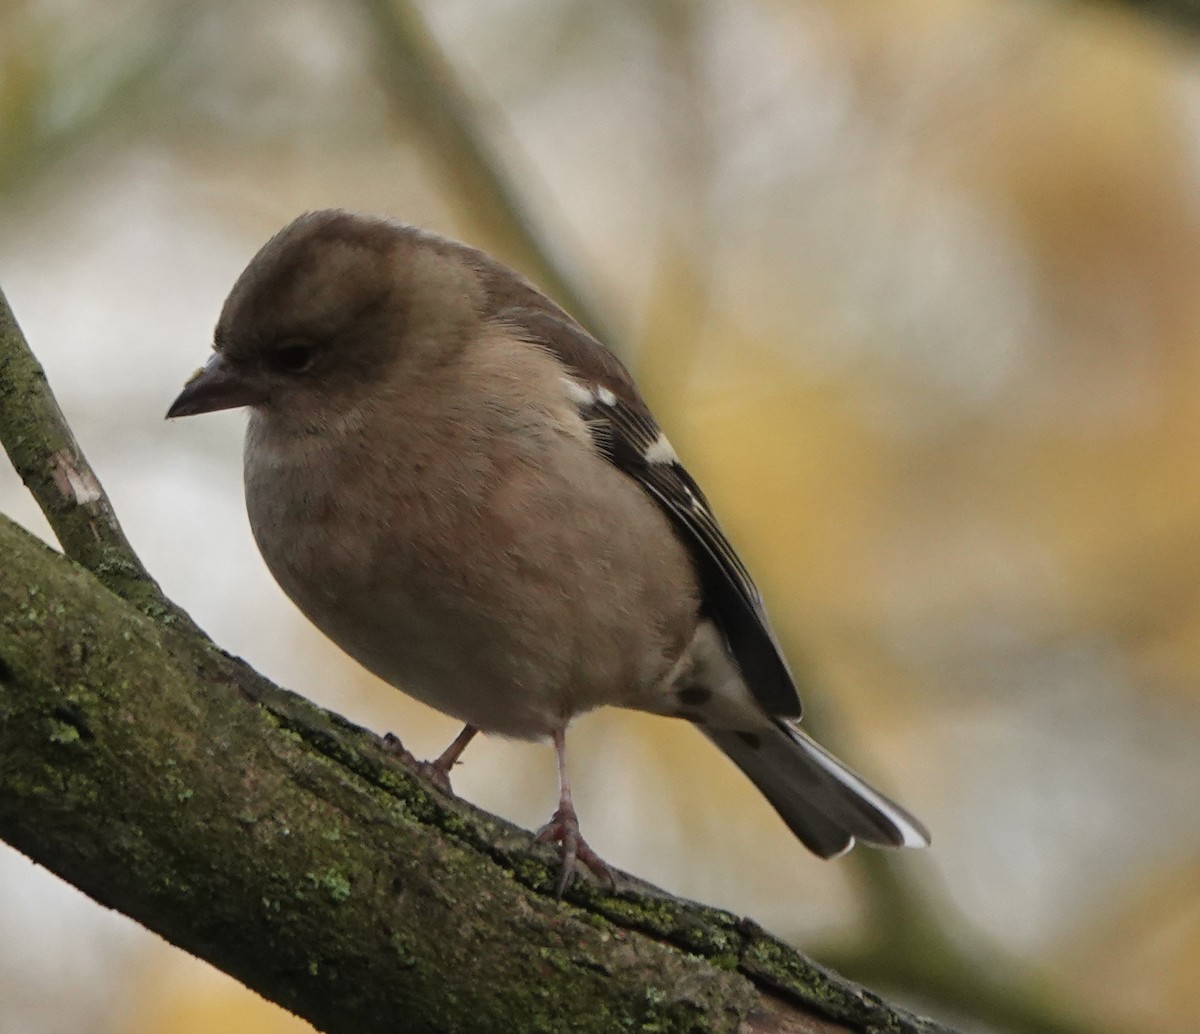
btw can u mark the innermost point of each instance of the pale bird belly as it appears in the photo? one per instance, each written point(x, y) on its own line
point(520, 670)
point(558, 589)
point(461, 664)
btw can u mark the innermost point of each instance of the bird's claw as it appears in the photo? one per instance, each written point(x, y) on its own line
point(433, 771)
point(563, 829)
point(437, 774)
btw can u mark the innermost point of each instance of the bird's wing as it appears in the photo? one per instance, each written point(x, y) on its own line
point(626, 433)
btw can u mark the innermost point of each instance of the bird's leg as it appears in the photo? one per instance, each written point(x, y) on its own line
point(563, 828)
point(436, 771)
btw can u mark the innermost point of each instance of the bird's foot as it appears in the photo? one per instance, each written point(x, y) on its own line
point(563, 829)
point(436, 773)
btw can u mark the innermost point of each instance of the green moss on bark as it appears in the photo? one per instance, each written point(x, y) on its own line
point(286, 846)
point(199, 812)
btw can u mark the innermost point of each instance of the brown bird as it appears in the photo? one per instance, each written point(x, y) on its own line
point(464, 490)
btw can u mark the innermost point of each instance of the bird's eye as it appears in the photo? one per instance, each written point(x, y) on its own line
point(293, 355)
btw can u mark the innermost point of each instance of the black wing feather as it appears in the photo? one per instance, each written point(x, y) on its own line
point(625, 432)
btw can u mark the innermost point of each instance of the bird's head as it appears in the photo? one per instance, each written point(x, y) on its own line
point(333, 304)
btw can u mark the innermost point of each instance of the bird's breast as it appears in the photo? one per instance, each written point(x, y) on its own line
point(511, 584)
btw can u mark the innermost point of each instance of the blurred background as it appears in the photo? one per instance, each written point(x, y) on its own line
point(912, 286)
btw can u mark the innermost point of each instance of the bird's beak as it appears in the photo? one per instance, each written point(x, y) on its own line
point(217, 385)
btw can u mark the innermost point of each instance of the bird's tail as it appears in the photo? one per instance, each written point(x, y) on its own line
point(825, 804)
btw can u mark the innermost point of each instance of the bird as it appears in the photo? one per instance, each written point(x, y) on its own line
point(464, 490)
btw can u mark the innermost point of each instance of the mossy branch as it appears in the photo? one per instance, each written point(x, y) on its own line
point(292, 850)
point(44, 452)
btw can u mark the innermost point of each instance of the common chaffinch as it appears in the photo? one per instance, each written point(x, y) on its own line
point(463, 489)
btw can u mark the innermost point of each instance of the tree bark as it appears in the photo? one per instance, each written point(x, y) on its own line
point(294, 851)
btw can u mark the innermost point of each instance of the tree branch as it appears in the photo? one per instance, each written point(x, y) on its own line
point(290, 849)
point(44, 452)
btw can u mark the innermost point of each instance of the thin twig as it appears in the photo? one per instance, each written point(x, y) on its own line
point(44, 452)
